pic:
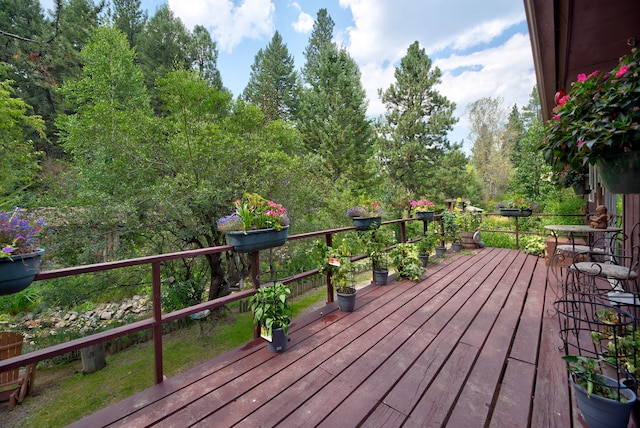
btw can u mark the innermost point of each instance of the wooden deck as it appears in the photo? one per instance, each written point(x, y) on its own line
point(475, 344)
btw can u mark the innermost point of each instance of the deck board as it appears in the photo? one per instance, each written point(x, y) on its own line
point(474, 343)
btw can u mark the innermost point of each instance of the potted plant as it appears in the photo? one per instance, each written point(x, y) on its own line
point(451, 230)
point(423, 209)
point(425, 246)
point(576, 179)
point(469, 225)
point(271, 312)
point(375, 244)
point(408, 265)
point(603, 401)
point(336, 263)
point(518, 207)
point(621, 346)
point(20, 256)
point(597, 123)
point(256, 224)
point(367, 214)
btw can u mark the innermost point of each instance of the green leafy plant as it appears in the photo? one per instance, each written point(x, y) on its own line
point(366, 208)
point(270, 307)
point(599, 115)
point(423, 205)
point(468, 221)
point(375, 242)
point(622, 341)
point(586, 373)
point(534, 245)
point(254, 212)
point(337, 262)
point(408, 265)
point(426, 245)
point(568, 176)
point(450, 226)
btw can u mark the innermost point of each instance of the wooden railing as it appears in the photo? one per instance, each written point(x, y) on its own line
point(158, 319)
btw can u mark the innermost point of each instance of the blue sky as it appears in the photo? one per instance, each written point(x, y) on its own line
point(482, 48)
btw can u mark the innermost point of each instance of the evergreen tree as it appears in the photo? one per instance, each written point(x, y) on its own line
point(129, 18)
point(333, 119)
point(273, 83)
point(163, 46)
point(204, 56)
point(513, 134)
point(321, 36)
point(414, 128)
point(532, 112)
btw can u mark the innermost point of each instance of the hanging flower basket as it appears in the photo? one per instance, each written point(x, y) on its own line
point(424, 215)
point(365, 223)
point(620, 172)
point(17, 273)
point(256, 240)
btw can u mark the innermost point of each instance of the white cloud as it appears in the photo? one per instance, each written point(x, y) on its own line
point(456, 38)
point(228, 23)
point(305, 22)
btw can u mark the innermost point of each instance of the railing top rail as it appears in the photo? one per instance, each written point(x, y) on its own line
point(98, 267)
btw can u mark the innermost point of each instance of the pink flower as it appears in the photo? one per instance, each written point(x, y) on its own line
point(582, 77)
point(556, 117)
point(580, 143)
point(622, 71)
point(594, 74)
point(563, 100)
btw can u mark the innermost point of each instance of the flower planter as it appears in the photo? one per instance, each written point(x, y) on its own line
point(603, 412)
point(515, 212)
point(620, 172)
point(17, 274)
point(278, 342)
point(424, 215)
point(440, 251)
point(468, 241)
point(581, 188)
point(347, 301)
point(456, 247)
point(255, 240)
point(365, 223)
point(424, 260)
point(380, 276)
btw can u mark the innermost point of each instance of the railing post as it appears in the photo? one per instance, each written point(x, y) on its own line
point(329, 242)
point(255, 280)
point(403, 232)
point(517, 236)
point(157, 320)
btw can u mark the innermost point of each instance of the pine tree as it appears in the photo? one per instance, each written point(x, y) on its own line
point(129, 18)
point(321, 36)
point(333, 119)
point(414, 128)
point(204, 56)
point(273, 83)
point(333, 106)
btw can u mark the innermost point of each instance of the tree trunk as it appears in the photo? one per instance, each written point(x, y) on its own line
point(93, 358)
